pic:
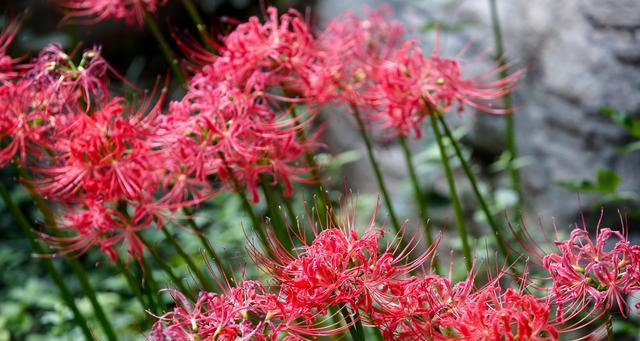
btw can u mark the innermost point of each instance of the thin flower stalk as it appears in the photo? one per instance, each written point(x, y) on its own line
point(135, 287)
point(150, 285)
point(275, 213)
point(497, 234)
point(206, 283)
point(87, 288)
point(75, 265)
point(609, 326)
point(418, 194)
point(163, 264)
point(376, 169)
point(166, 49)
point(197, 20)
point(455, 201)
point(22, 222)
point(211, 252)
point(507, 104)
point(313, 165)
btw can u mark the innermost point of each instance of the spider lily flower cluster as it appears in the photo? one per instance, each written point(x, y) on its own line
point(599, 271)
point(381, 285)
point(91, 152)
point(114, 168)
point(93, 11)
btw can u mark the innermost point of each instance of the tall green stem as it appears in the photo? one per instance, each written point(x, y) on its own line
point(206, 282)
point(258, 227)
point(257, 224)
point(151, 286)
point(474, 185)
point(507, 103)
point(311, 162)
point(419, 195)
point(197, 19)
point(91, 295)
point(134, 286)
point(277, 222)
point(376, 168)
point(166, 49)
point(166, 268)
point(457, 208)
point(207, 245)
point(288, 206)
point(24, 225)
point(355, 327)
point(609, 326)
point(75, 265)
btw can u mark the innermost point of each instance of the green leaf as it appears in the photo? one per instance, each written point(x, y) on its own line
point(630, 148)
point(444, 27)
point(577, 185)
point(608, 180)
point(624, 120)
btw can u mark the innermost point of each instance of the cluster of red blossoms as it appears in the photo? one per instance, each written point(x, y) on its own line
point(116, 168)
point(382, 285)
point(93, 11)
point(91, 152)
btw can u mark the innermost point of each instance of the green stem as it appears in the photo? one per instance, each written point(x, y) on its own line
point(419, 195)
point(24, 225)
point(457, 208)
point(609, 326)
point(277, 222)
point(507, 103)
point(91, 295)
point(354, 330)
point(166, 268)
point(75, 265)
point(134, 286)
point(288, 206)
point(257, 224)
point(376, 169)
point(206, 283)
point(474, 185)
point(197, 19)
point(166, 49)
point(258, 227)
point(151, 286)
point(207, 245)
point(311, 162)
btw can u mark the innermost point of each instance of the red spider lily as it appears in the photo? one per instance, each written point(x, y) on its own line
point(7, 63)
point(54, 72)
point(419, 307)
point(104, 153)
point(40, 103)
point(233, 132)
point(341, 266)
point(25, 121)
point(587, 273)
point(94, 11)
point(350, 50)
point(245, 312)
point(491, 315)
point(98, 223)
point(410, 85)
point(595, 270)
point(264, 57)
point(86, 149)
